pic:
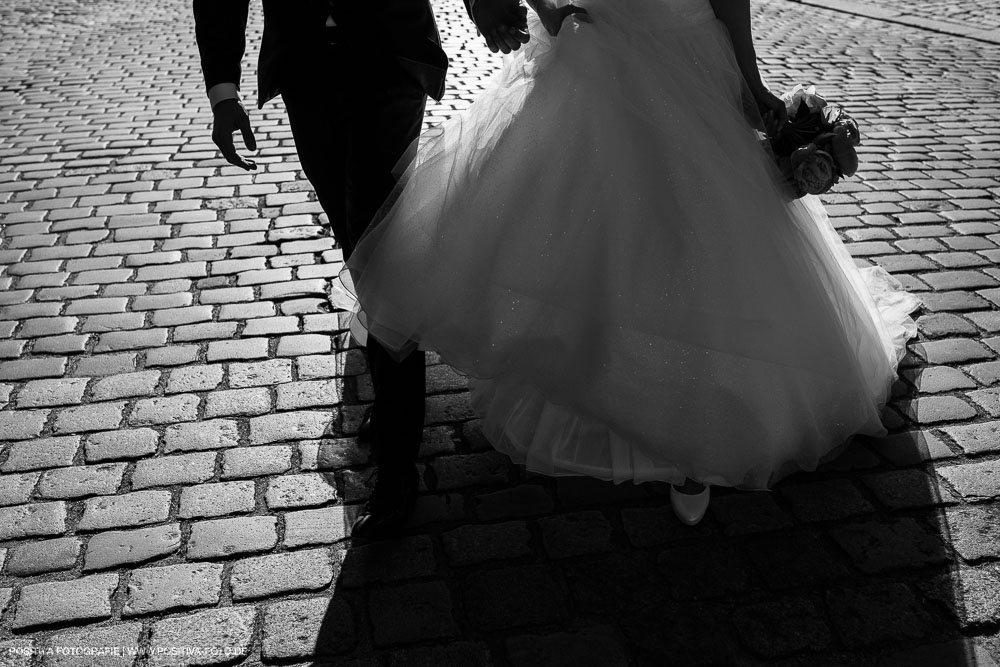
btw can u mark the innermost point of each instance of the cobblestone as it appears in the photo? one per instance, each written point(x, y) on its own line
point(79, 481)
point(938, 379)
point(938, 409)
point(16, 489)
point(256, 461)
point(22, 424)
point(974, 532)
point(981, 438)
point(44, 393)
point(208, 434)
point(172, 355)
point(33, 558)
point(225, 537)
point(274, 574)
point(233, 402)
point(862, 617)
point(295, 346)
point(325, 525)
point(88, 598)
point(801, 624)
point(409, 558)
point(513, 597)
point(469, 545)
point(172, 470)
point(42, 453)
point(223, 633)
point(129, 547)
point(567, 535)
point(322, 366)
point(263, 373)
point(165, 410)
point(911, 447)
point(331, 454)
point(976, 589)
point(299, 491)
point(907, 489)
point(303, 425)
point(705, 571)
point(158, 589)
point(403, 614)
point(454, 472)
point(32, 368)
point(217, 499)
point(519, 501)
point(129, 509)
point(975, 481)
point(194, 378)
point(878, 547)
point(296, 395)
point(65, 648)
point(824, 501)
point(245, 348)
point(121, 444)
point(302, 628)
point(127, 385)
point(91, 417)
point(105, 364)
point(951, 351)
point(802, 560)
point(135, 238)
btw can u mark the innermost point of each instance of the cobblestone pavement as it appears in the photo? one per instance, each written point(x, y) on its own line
point(963, 18)
point(972, 13)
point(177, 471)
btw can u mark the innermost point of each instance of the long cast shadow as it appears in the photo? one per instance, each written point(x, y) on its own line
point(870, 560)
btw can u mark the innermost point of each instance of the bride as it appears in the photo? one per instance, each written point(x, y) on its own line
point(601, 244)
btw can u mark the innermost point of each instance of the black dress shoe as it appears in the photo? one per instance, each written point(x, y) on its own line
point(390, 506)
point(365, 429)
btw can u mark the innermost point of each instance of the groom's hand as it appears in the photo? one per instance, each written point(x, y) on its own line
point(230, 117)
point(503, 23)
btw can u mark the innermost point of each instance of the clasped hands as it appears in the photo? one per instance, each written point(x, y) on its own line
point(503, 24)
point(772, 110)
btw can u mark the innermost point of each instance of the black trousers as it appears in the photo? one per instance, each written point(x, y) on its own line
point(353, 113)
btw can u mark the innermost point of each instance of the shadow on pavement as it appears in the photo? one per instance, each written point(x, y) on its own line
point(870, 560)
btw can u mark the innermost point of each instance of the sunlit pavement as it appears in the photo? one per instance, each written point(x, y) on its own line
point(177, 466)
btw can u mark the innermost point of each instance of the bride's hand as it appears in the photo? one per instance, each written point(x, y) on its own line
point(772, 111)
point(552, 17)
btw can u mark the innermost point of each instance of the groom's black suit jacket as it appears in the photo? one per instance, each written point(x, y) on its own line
point(404, 29)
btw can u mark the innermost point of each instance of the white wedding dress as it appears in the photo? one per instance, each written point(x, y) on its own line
point(601, 244)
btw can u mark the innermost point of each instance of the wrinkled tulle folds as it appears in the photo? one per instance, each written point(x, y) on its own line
point(600, 243)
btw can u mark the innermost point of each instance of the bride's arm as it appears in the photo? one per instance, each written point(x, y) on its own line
point(552, 16)
point(735, 15)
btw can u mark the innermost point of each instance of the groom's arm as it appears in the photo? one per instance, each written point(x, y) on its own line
point(220, 30)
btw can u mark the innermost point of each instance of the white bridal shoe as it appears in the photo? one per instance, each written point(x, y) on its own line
point(690, 507)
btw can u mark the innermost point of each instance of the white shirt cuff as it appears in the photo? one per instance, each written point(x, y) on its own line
point(223, 91)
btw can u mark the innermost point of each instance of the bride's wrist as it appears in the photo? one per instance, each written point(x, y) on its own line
point(541, 6)
point(756, 85)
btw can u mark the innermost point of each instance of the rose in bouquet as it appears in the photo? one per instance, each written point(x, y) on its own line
point(816, 148)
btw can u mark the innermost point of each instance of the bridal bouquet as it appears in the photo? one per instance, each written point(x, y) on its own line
point(816, 147)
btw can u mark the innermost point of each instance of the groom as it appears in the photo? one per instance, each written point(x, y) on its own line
point(354, 76)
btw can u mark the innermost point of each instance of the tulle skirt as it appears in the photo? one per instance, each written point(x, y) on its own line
point(602, 245)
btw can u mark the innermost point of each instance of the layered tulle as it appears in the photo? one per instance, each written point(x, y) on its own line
point(601, 244)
